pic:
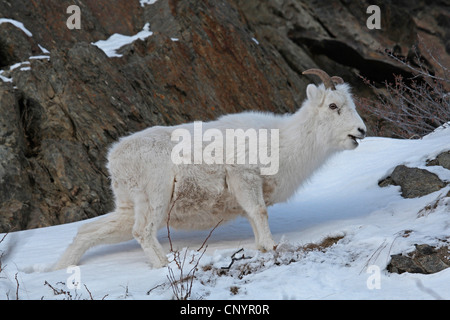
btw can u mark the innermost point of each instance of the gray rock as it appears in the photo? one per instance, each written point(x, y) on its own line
point(414, 182)
point(400, 264)
point(58, 122)
point(424, 259)
point(15, 184)
point(442, 159)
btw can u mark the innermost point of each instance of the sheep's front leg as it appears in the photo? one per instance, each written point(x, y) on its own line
point(247, 189)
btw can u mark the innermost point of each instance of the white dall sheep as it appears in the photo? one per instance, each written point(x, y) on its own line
point(152, 189)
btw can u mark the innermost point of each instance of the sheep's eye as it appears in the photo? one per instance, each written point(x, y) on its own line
point(333, 106)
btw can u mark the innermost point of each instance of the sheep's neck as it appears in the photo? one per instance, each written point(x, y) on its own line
point(302, 151)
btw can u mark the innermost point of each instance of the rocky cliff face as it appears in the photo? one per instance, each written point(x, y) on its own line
point(59, 113)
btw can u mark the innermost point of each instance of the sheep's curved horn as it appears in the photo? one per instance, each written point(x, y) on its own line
point(337, 80)
point(326, 79)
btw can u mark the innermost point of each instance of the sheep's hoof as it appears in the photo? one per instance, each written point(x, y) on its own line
point(267, 247)
point(159, 263)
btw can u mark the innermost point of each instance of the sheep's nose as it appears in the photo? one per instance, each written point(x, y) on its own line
point(363, 131)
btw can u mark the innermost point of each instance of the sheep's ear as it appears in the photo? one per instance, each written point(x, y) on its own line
point(312, 92)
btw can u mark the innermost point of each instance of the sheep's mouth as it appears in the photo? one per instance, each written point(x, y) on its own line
point(355, 139)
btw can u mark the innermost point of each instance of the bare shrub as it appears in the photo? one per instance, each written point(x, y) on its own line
point(414, 107)
point(181, 281)
point(182, 277)
point(4, 252)
point(68, 295)
point(285, 253)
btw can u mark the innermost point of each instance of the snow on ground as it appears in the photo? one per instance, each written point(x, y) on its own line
point(146, 2)
point(116, 41)
point(343, 199)
point(17, 24)
point(4, 76)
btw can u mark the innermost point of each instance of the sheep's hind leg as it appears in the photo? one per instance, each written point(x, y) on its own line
point(109, 229)
point(148, 218)
point(112, 228)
